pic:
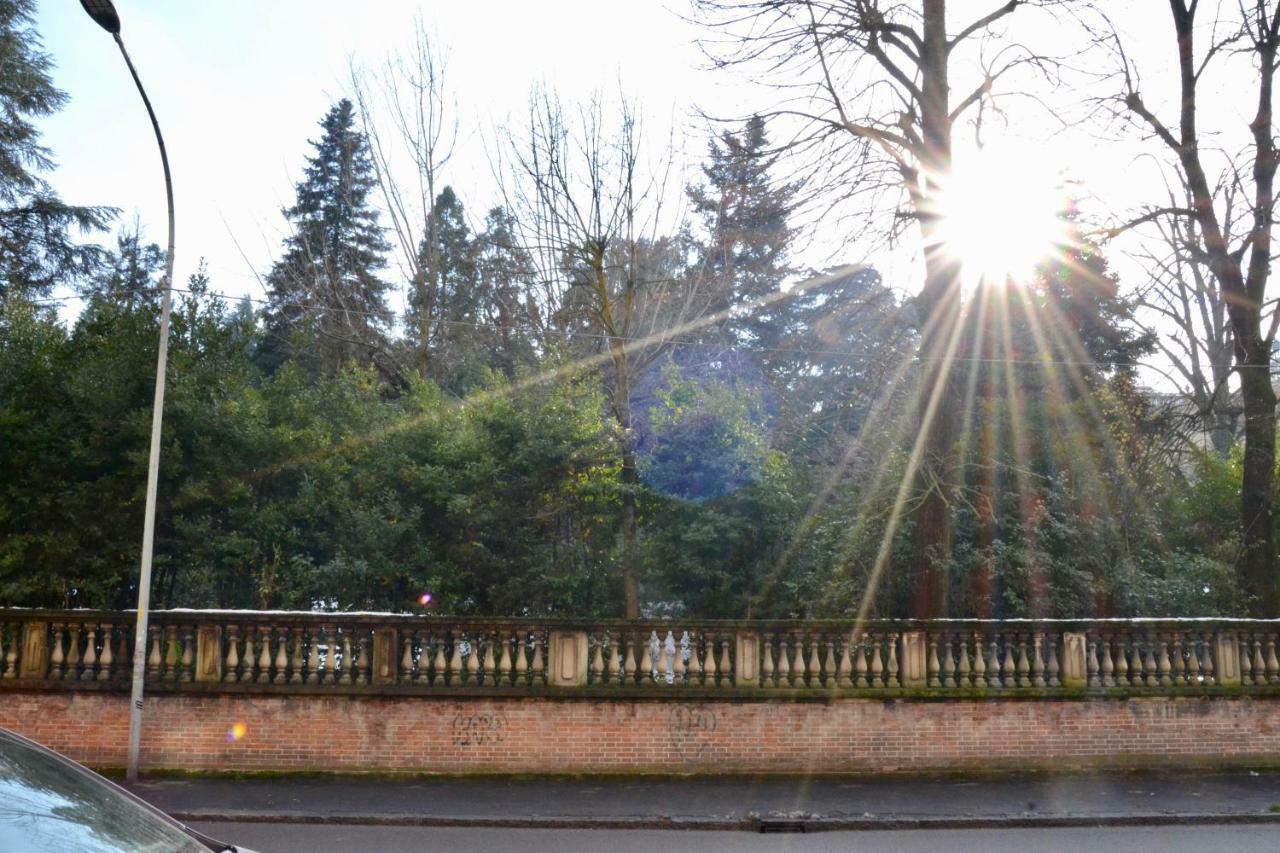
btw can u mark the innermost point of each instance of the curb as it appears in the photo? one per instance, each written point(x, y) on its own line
point(752, 823)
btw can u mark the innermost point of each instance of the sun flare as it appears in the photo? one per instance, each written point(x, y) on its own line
point(1001, 216)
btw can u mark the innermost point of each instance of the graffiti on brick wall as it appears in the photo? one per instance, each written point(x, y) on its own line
point(479, 729)
point(691, 728)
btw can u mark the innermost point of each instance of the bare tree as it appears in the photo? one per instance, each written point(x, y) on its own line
point(409, 118)
point(1182, 296)
point(593, 216)
point(871, 90)
point(1236, 250)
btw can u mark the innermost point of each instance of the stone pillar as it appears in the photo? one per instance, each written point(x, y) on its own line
point(1075, 664)
point(746, 670)
point(384, 656)
point(912, 659)
point(1226, 659)
point(35, 650)
point(209, 653)
point(567, 651)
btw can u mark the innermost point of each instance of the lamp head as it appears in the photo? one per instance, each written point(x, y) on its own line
point(104, 13)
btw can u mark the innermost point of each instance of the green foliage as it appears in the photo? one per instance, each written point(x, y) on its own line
point(327, 301)
point(37, 250)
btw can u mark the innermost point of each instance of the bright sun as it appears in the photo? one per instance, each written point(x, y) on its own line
point(1000, 216)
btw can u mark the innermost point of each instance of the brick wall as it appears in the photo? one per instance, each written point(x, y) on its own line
point(337, 733)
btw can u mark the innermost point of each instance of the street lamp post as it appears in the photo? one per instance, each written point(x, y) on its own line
point(104, 13)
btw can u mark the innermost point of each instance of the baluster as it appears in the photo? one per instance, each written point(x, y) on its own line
point(348, 665)
point(330, 661)
point(1207, 662)
point(14, 633)
point(1137, 665)
point(962, 663)
point(1194, 670)
point(859, 661)
point(1121, 662)
point(668, 658)
point(703, 648)
point(124, 653)
point(522, 659)
point(893, 673)
point(1108, 665)
point(1037, 661)
point(504, 661)
point(613, 660)
point(1024, 667)
point(648, 649)
point(89, 670)
point(1053, 668)
point(677, 659)
point(877, 666)
point(187, 665)
point(597, 660)
point(429, 663)
point(73, 650)
point(282, 657)
point(536, 667)
point(264, 655)
point(1091, 662)
point(407, 674)
point(57, 662)
point(247, 659)
point(488, 664)
point(154, 661)
point(994, 669)
point(232, 661)
point(473, 659)
point(454, 668)
point(766, 666)
point(1179, 664)
point(784, 662)
point(708, 660)
point(813, 677)
point(313, 654)
point(1163, 666)
point(1149, 661)
point(1259, 663)
point(800, 672)
point(844, 671)
point(1010, 671)
point(363, 664)
point(725, 666)
point(933, 666)
point(296, 661)
point(979, 662)
point(630, 674)
point(1273, 665)
point(1246, 660)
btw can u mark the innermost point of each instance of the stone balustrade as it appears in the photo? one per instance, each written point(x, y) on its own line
point(363, 653)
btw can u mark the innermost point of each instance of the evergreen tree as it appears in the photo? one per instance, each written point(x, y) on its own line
point(508, 307)
point(37, 251)
point(327, 302)
point(130, 275)
point(447, 308)
point(744, 214)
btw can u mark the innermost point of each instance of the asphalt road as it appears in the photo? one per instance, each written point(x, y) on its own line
point(295, 838)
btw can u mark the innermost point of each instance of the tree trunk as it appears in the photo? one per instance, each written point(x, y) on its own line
point(935, 476)
point(1256, 506)
point(630, 581)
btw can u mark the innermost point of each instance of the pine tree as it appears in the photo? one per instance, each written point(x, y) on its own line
point(327, 303)
point(744, 214)
point(36, 248)
point(130, 275)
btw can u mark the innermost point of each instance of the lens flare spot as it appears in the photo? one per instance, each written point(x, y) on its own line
point(425, 599)
point(237, 732)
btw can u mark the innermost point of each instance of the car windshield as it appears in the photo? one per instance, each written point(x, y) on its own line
point(48, 805)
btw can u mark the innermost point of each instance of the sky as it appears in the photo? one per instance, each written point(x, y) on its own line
point(240, 85)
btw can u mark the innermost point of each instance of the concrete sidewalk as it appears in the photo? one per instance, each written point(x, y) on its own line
point(730, 803)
